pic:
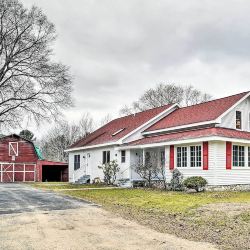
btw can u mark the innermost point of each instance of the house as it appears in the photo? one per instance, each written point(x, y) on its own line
point(21, 161)
point(211, 139)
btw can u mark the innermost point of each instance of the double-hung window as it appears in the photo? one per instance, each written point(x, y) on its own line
point(248, 156)
point(249, 121)
point(238, 156)
point(105, 157)
point(238, 120)
point(123, 156)
point(76, 162)
point(195, 156)
point(181, 157)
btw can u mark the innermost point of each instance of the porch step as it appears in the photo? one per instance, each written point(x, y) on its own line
point(83, 180)
point(125, 183)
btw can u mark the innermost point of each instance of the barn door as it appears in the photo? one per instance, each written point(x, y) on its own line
point(7, 173)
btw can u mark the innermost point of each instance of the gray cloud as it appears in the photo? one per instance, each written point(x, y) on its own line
point(116, 49)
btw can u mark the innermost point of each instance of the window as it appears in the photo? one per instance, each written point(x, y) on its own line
point(181, 156)
point(238, 120)
point(76, 162)
point(162, 158)
point(123, 156)
point(249, 121)
point(238, 156)
point(195, 156)
point(105, 157)
point(13, 148)
point(248, 156)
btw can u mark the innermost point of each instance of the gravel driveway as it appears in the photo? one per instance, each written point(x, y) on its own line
point(35, 219)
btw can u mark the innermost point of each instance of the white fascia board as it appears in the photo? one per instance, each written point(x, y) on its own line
point(232, 107)
point(90, 147)
point(148, 122)
point(181, 127)
point(185, 141)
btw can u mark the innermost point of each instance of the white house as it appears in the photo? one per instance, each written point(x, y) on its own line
point(210, 139)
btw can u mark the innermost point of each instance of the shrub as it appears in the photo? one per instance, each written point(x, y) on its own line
point(196, 182)
point(176, 181)
point(110, 171)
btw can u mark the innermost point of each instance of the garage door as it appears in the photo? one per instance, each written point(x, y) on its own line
point(11, 172)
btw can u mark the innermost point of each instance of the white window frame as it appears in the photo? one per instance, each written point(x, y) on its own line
point(123, 157)
point(248, 121)
point(189, 156)
point(181, 156)
point(246, 156)
point(77, 162)
point(10, 145)
point(242, 115)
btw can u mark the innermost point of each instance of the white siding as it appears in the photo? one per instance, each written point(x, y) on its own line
point(229, 177)
point(194, 171)
point(217, 174)
point(228, 121)
point(91, 159)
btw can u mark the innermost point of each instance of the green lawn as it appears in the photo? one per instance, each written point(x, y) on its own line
point(171, 202)
point(63, 185)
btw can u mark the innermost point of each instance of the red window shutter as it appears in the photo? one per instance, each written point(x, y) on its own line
point(228, 155)
point(171, 162)
point(205, 155)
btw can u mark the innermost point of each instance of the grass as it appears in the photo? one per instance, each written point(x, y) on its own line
point(148, 200)
point(185, 215)
point(56, 186)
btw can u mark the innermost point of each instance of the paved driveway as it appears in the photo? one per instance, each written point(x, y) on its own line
point(31, 219)
point(19, 198)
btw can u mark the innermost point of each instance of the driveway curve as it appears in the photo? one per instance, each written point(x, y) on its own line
point(35, 219)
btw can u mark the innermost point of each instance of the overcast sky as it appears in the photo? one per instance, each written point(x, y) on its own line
point(118, 48)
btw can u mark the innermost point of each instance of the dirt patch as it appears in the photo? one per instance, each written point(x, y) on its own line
point(84, 228)
point(232, 209)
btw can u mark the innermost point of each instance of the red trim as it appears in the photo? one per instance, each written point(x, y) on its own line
point(228, 155)
point(171, 162)
point(205, 155)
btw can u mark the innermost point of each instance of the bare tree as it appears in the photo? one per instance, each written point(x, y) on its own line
point(86, 125)
point(31, 83)
point(166, 94)
point(64, 134)
point(106, 119)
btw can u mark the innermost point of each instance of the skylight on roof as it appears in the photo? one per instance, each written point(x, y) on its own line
point(118, 131)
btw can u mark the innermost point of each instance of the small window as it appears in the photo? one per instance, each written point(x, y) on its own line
point(105, 157)
point(13, 148)
point(162, 158)
point(248, 156)
point(76, 162)
point(195, 156)
point(123, 156)
point(249, 121)
point(238, 120)
point(181, 157)
point(238, 156)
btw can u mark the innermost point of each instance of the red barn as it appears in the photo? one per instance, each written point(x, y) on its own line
point(21, 161)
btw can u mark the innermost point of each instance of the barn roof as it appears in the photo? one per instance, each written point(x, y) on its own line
point(118, 128)
point(36, 148)
point(203, 112)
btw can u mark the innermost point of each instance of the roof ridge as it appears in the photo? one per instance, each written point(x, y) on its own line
point(221, 98)
point(143, 111)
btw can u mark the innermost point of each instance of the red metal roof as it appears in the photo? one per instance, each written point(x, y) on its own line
point(110, 132)
point(223, 132)
point(207, 111)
